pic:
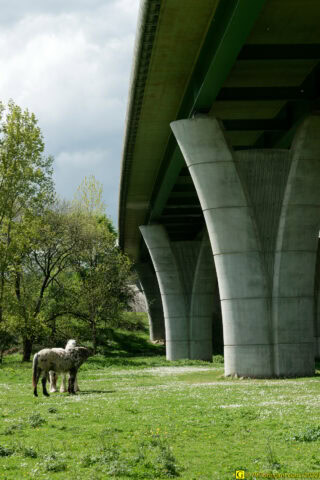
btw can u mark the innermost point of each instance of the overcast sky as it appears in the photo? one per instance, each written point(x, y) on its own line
point(69, 62)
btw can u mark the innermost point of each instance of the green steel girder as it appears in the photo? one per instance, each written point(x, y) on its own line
point(228, 31)
point(294, 112)
point(279, 52)
point(307, 91)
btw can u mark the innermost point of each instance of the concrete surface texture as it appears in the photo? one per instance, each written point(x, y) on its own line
point(203, 303)
point(152, 294)
point(262, 211)
point(188, 286)
point(171, 289)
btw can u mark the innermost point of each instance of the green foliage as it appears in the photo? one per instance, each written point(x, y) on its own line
point(52, 410)
point(26, 188)
point(56, 236)
point(36, 420)
point(133, 321)
point(153, 459)
point(13, 428)
point(88, 198)
point(29, 452)
point(25, 173)
point(219, 359)
point(7, 338)
point(73, 278)
point(95, 287)
point(156, 457)
point(6, 451)
point(58, 262)
point(54, 462)
point(311, 433)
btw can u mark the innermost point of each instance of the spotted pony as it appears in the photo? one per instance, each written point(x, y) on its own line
point(53, 376)
point(60, 361)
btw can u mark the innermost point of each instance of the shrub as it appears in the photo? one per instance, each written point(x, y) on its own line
point(29, 452)
point(52, 410)
point(6, 451)
point(156, 456)
point(13, 428)
point(218, 359)
point(310, 434)
point(36, 420)
point(54, 463)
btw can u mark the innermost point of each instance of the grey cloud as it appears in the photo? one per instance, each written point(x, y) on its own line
point(14, 10)
point(69, 62)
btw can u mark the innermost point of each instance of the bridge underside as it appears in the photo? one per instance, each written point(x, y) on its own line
point(223, 208)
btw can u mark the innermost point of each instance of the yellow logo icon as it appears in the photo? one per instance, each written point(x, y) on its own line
point(239, 474)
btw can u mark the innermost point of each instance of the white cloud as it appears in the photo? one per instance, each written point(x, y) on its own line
point(69, 63)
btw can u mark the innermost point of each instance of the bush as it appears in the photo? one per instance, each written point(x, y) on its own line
point(36, 420)
point(11, 429)
point(310, 434)
point(6, 451)
point(29, 452)
point(156, 456)
point(218, 359)
point(54, 463)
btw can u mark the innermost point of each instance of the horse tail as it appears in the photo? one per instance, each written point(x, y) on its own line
point(34, 371)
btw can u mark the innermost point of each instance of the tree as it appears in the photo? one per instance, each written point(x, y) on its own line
point(26, 185)
point(103, 272)
point(57, 236)
point(88, 200)
point(96, 287)
point(102, 280)
point(62, 262)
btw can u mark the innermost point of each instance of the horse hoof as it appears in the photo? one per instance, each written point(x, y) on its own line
point(46, 394)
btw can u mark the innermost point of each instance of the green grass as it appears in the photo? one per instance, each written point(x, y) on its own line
point(135, 419)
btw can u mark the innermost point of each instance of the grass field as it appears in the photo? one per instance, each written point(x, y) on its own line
point(141, 417)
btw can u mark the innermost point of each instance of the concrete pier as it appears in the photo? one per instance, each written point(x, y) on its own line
point(151, 291)
point(261, 209)
point(171, 289)
point(189, 293)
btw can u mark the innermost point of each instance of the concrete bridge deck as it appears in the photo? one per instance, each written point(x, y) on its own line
point(236, 175)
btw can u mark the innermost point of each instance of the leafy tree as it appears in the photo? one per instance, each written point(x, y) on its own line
point(57, 237)
point(101, 284)
point(25, 185)
point(88, 200)
point(96, 287)
point(56, 260)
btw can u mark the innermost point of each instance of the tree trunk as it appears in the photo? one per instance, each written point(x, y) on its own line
point(27, 349)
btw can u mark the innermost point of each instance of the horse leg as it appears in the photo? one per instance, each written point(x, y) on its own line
point(63, 387)
point(53, 377)
point(44, 384)
point(76, 386)
point(72, 377)
point(37, 376)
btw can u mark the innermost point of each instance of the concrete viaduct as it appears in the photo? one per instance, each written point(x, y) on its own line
point(220, 187)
